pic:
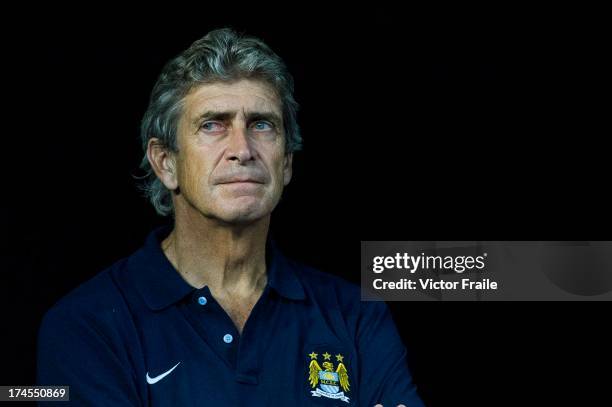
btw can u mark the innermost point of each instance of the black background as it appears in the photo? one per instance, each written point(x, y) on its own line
point(438, 124)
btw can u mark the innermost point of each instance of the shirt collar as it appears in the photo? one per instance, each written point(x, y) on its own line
point(161, 285)
point(282, 275)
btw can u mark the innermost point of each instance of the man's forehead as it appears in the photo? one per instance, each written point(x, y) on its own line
point(243, 95)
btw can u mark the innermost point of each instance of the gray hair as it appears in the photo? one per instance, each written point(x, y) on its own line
point(221, 56)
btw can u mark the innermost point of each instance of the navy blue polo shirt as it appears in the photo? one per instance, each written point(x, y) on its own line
point(137, 334)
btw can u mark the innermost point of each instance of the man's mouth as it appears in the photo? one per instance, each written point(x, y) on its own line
point(241, 179)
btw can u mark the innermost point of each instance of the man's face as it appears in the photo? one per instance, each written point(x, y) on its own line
point(231, 163)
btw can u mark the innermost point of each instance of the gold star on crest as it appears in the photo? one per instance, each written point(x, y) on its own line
point(339, 358)
point(313, 355)
point(327, 356)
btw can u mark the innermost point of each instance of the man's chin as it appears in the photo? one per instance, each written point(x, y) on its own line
point(243, 215)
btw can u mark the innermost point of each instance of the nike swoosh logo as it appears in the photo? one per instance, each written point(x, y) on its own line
point(153, 380)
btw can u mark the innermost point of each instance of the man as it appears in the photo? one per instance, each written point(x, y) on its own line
point(209, 312)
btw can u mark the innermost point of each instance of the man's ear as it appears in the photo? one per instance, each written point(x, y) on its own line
point(287, 168)
point(163, 163)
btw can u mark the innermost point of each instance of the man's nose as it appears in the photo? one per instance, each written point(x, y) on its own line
point(239, 148)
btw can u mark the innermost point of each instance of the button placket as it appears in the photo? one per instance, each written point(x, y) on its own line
point(214, 325)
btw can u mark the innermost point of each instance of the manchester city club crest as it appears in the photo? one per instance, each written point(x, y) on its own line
point(326, 379)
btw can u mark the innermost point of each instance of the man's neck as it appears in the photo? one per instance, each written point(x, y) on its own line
point(229, 259)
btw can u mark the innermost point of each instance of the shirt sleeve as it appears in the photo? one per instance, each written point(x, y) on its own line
point(384, 374)
point(75, 350)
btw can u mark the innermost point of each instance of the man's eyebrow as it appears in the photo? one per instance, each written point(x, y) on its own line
point(264, 115)
point(214, 115)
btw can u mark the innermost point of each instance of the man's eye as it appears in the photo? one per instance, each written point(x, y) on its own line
point(212, 126)
point(262, 126)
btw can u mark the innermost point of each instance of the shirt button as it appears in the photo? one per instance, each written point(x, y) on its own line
point(202, 301)
point(227, 338)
